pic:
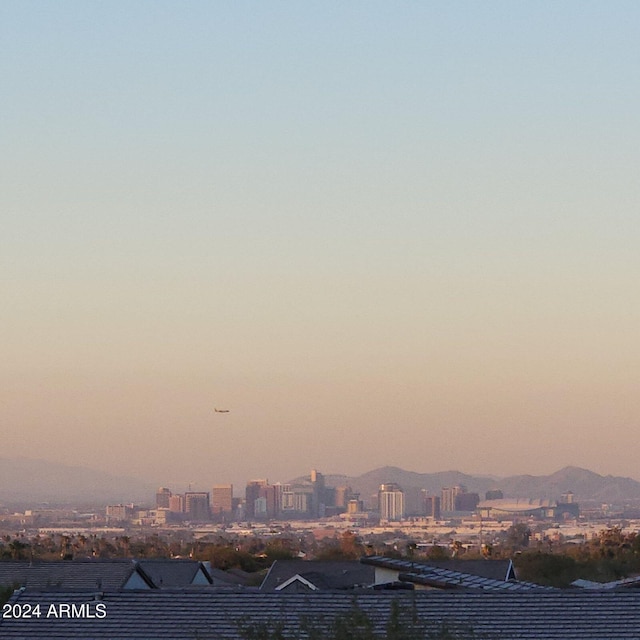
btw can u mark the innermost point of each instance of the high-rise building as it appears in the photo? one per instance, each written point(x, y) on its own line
point(448, 497)
point(176, 503)
point(432, 506)
point(222, 500)
point(287, 500)
point(343, 495)
point(391, 502)
point(467, 501)
point(196, 505)
point(163, 495)
point(252, 493)
point(268, 492)
point(119, 512)
point(567, 498)
point(318, 500)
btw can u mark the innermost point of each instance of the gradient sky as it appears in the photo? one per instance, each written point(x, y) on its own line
point(399, 233)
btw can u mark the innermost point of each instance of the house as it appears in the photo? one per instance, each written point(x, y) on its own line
point(76, 574)
point(103, 574)
point(302, 576)
point(176, 572)
point(487, 575)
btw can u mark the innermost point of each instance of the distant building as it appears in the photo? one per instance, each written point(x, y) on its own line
point(222, 500)
point(163, 495)
point(196, 506)
point(518, 508)
point(319, 501)
point(119, 512)
point(176, 503)
point(448, 497)
point(432, 506)
point(268, 494)
point(342, 496)
point(391, 502)
point(467, 501)
point(493, 494)
point(301, 502)
point(252, 493)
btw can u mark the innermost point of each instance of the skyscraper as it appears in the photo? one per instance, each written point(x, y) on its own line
point(448, 497)
point(252, 493)
point(391, 502)
point(163, 495)
point(196, 505)
point(222, 500)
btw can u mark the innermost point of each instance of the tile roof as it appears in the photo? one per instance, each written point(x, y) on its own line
point(441, 578)
point(323, 574)
point(175, 572)
point(494, 569)
point(165, 614)
point(66, 574)
point(623, 583)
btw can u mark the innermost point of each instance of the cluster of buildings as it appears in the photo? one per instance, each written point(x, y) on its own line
point(311, 498)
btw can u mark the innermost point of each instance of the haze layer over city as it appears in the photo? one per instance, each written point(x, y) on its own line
point(369, 233)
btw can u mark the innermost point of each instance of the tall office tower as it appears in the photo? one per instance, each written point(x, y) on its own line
point(431, 506)
point(343, 495)
point(287, 500)
point(448, 497)
point(318, 501)
point(163, 495)
point(302, 502)
point(252, 493)
point(413, 501)
point(467, 501)
point(354, 505)
point(176, 503)
point(278, 491)
point(196, 505)
point(391, 502)
point(222, 500)
point(268, 492)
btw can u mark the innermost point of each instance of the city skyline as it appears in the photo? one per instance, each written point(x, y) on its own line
point(376, 234)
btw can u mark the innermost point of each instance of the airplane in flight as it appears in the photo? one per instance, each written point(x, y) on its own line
point(220, 410)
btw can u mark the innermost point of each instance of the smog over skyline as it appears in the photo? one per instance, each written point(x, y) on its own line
point(367, 234)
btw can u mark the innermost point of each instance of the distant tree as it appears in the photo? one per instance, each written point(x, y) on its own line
point(18, 550)
point(225, 557)
point(5, 594)
point(518, 536)
point(554, 570)
point(280, 549)
point(347, 547)
point(436, 552)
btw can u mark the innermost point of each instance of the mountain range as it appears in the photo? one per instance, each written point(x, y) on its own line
point(28, 481)
point(23, 480)
point(585, 485)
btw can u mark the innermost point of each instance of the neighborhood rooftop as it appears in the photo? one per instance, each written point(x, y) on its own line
point(208, 615)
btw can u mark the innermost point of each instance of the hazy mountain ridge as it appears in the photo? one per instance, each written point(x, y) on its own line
point(585, 484)
point(32, 481)
point(24, 480)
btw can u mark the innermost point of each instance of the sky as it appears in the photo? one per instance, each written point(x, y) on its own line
point(378, 233)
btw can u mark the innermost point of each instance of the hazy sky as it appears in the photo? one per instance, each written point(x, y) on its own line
point(399, 233)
